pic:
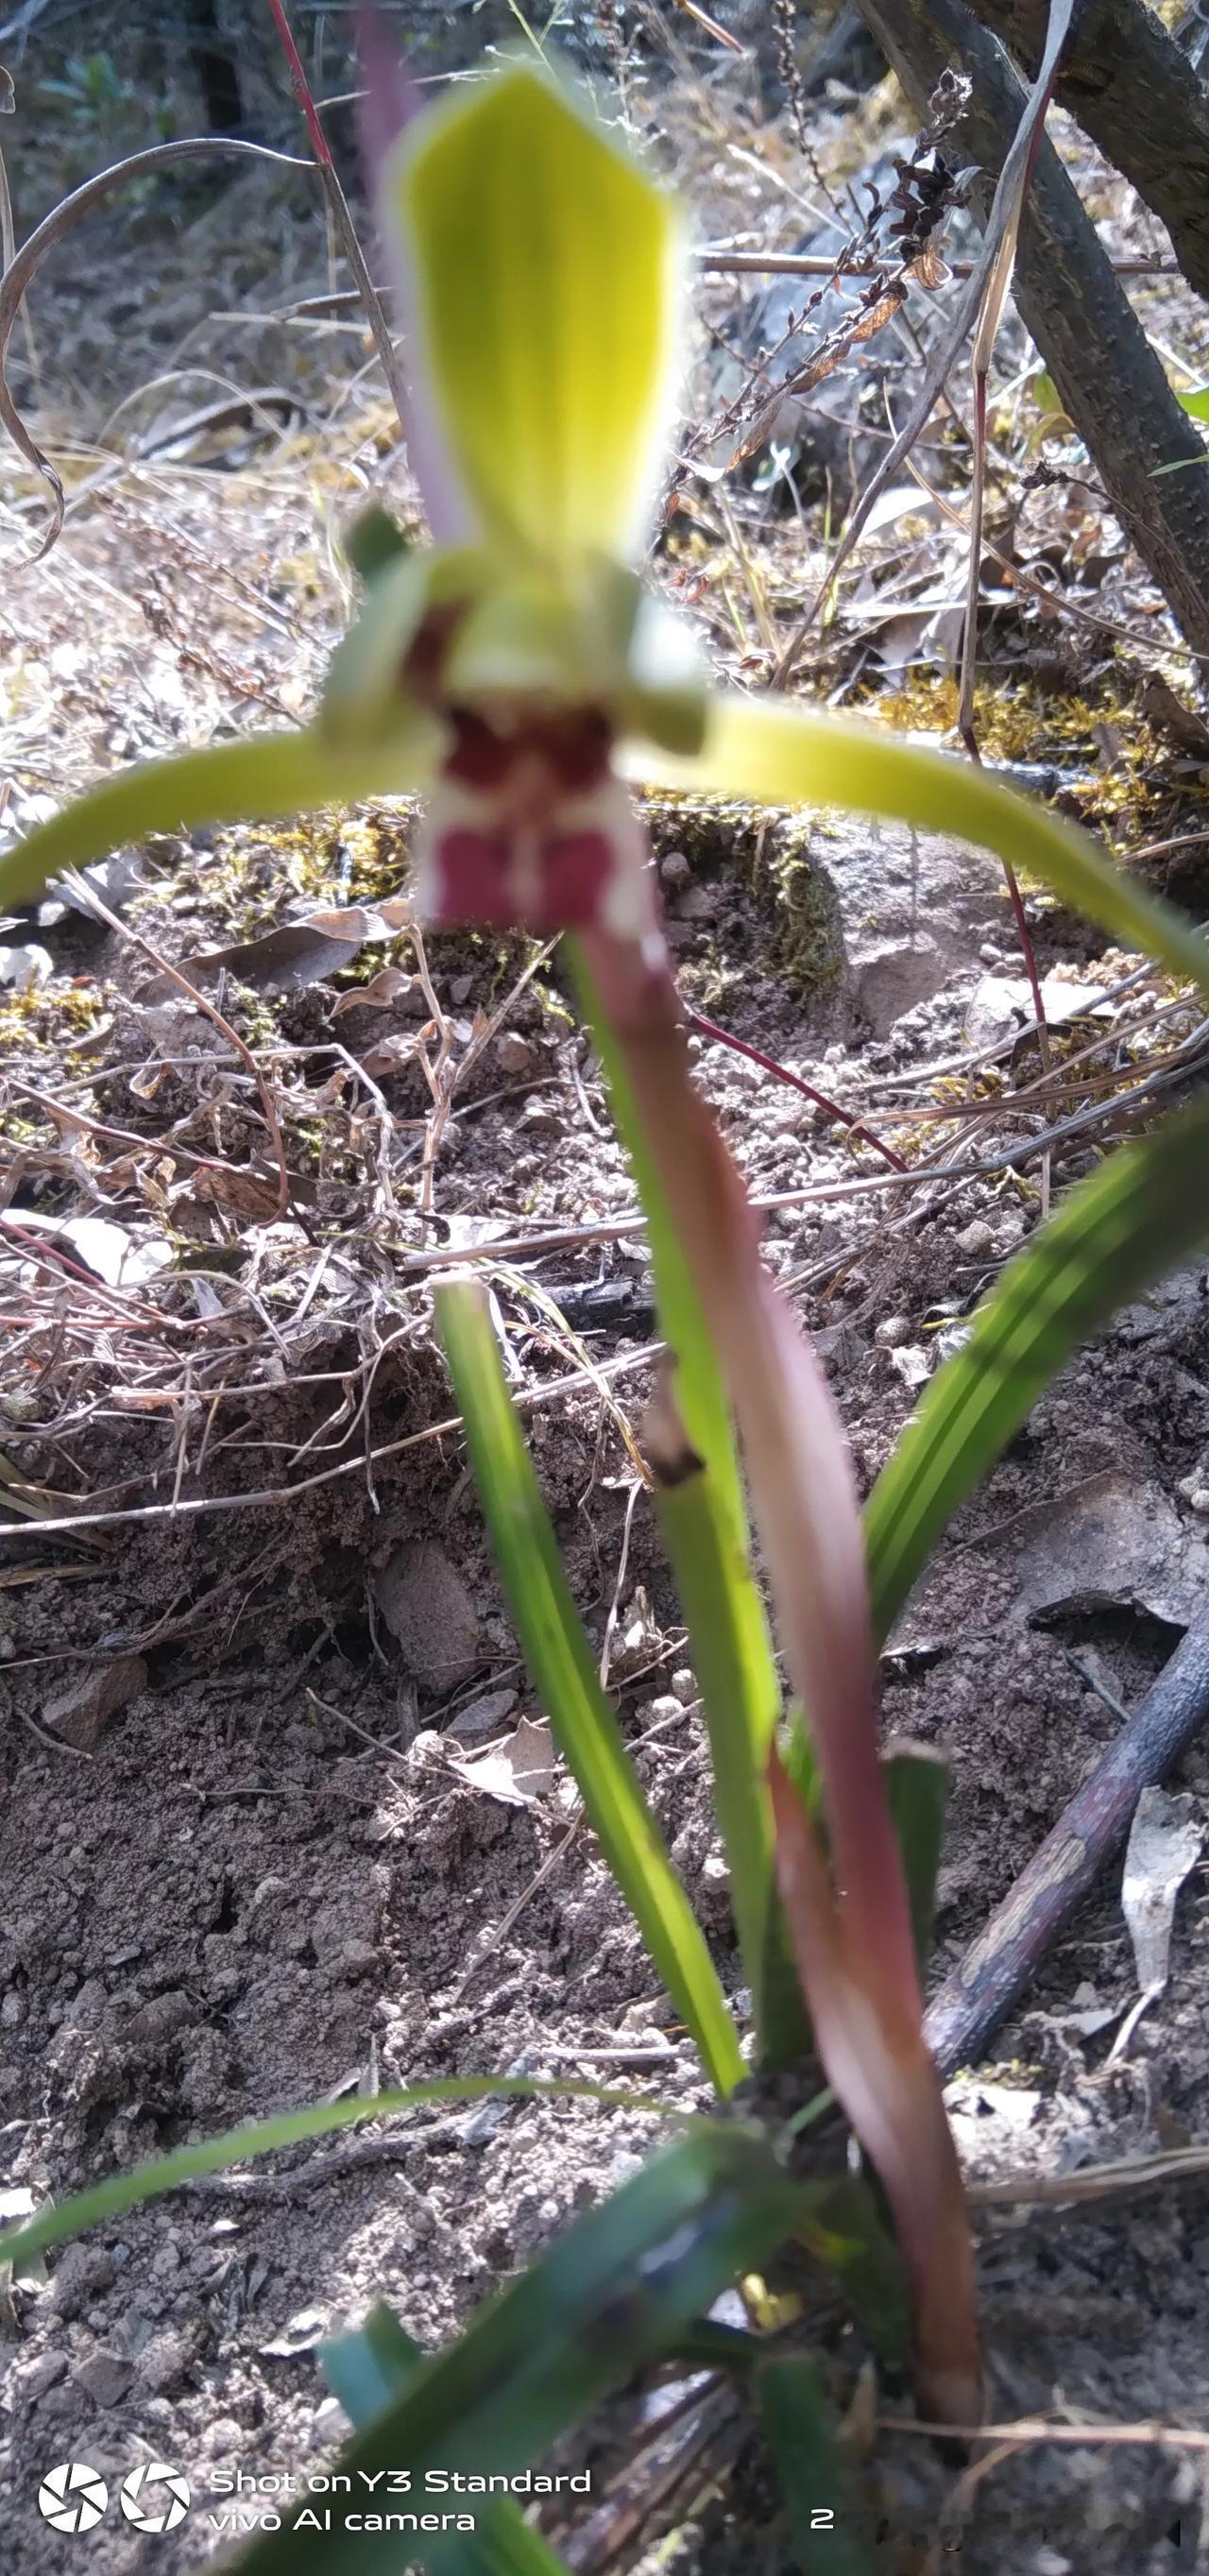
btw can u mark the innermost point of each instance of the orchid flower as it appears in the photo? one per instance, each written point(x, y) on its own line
point(519, 673)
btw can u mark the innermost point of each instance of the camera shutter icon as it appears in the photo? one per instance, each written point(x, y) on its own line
point(155, 2497)
point(72, 2497)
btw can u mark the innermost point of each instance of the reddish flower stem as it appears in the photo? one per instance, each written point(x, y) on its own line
point(781, 1073)
point(339, 209)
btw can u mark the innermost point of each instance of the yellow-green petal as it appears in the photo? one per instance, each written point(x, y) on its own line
point(776, 753)
point(264, 779)
point(543, 280)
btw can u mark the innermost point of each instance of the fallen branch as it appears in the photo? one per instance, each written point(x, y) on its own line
point(1005, 1958)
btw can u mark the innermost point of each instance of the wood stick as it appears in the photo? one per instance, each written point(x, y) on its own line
point(1005, 1958)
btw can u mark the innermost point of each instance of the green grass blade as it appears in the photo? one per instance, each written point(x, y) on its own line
point(607, 2300)
point(122, 2191)
point(560, 1660)
point(706, 1531)
point(368, 2369)
point(917, 1786)
point(262, 779)
point(800, 2434)
point(1114, 1235)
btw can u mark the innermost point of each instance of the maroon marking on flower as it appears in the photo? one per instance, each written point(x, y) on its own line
point(571, 745)
point(576, 869)
point(472, 880)
point(478, 877)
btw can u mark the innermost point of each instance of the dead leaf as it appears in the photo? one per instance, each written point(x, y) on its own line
point(296, 953)
point(387, 986)
point(121, 1259)
point(221, 1185)
point(389, 1056)
point(1165, 1843)
point(520, 1770)
point(1116, 1539)
point(1167, 713)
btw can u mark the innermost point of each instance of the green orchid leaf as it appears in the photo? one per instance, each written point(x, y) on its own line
point(543, 271)
point(917, 1786)
point(1195, 402)
point(801, 2436)
point(264, 779)
point(366, 2370)
point(122, 2191)
point(612, 2296)
point(778, 754)
point(561, 1662)
point(368, 2367)
point(374, 542)
point(728, 1651)
point(1113, 1236)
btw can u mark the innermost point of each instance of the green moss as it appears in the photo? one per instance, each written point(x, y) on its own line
point(48, 1015)
point(807, 939)
point(1121, 767)
point(765, 858)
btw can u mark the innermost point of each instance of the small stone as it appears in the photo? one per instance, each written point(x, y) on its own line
point(104, 2376)
point(12, 2009)
point(651, 2013)
point(976, 1238)
point(696, 903)
point(892, 976)
point(514, 1056)
point(684, 1684)
point(31, 2380)
point(460, 990)
point(80, 1714)
point(222, 2439)
point(539, 1118)
point(913, 1365)
point(162, 2364)
point(674, 871)
point(427, 1606)
point(358, 1959)
point(83, 2272)
point(664, 1711)
point(892, 1332)
point(328, 2424)
point(482, 1716)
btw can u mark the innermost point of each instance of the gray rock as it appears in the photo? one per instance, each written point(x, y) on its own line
point(428, 1608)
point(514, 1056)
point(162, 2363)
point(104, 2376)
point(81, 1713)
point(31, 2381)
point(83, 2272)
point(482, 1716)
point(891, 976)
